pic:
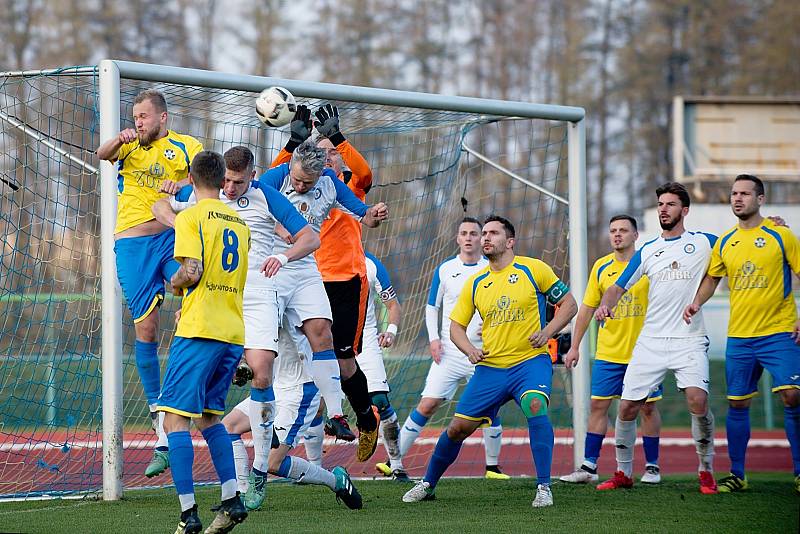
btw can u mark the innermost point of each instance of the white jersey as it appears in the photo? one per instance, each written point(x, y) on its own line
point(448, 280)
point(379, 285)
point(260, 207)
point(291, 367)
point(314, 205)
point(675, 267)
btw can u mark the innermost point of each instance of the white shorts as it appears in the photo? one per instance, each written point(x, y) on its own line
point(295, 409)
point(652, 357)
point(370, 360)
point(444, 378)
point(302, 296)
point(260, 309)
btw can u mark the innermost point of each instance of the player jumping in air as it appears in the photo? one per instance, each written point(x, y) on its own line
point(152, 161)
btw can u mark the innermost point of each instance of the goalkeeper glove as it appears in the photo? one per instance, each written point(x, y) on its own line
point(327, 124)
point(300, 128)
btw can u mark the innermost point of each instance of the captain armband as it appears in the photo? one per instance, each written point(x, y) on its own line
point(557, 292)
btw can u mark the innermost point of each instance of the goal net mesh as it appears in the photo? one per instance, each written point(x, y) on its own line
point(50, 306)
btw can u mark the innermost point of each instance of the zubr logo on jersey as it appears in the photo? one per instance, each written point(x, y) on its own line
point(673, 273)
point(748, 277)
point(628, 307)
point(504, 311)
point(152, 177)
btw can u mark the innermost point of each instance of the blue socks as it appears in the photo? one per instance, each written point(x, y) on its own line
point(650, 444)
point(791, 421)
point(219, 446)
point(542, 438)
point(181, 459)
point(592, 447)
point(444, 454)
point(737, 428)
point(149, 369)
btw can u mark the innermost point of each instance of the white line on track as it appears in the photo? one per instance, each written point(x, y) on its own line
point(469, 442)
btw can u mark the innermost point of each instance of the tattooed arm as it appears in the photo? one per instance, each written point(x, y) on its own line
point(187, 275)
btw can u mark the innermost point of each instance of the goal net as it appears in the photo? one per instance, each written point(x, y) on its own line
point(432, 164)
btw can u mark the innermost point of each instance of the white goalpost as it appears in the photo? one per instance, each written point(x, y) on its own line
point(434, 158)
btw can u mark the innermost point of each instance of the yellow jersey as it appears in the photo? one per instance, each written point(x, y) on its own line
point(758, 263)
point(143, 169)
point(213, 233)
point(617, 336)
point(512, 304)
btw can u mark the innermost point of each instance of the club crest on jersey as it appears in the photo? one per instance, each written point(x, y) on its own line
point(317, 193)
point(760, 242)
point(688, 248)
point(156, 170)
point(169, 154)
point(512, 278)
point(243, 202)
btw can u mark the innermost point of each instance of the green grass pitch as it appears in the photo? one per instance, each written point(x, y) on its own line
point(462, 505)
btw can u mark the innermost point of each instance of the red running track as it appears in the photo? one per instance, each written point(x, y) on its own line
point(34, 464)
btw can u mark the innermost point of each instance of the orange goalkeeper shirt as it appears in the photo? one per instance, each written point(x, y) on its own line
point(340, 256)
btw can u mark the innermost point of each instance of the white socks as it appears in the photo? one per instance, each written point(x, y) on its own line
point(161, 436)
point(312, 439)
point(390, 429)
point(492, 441)
point(625, 436)
point(242, 463)
point(408, 434)
point(304, 472)
point(703, 436)
point(261, 415)
point(327, 379)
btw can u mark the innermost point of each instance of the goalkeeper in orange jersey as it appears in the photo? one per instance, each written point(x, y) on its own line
point(343, 268)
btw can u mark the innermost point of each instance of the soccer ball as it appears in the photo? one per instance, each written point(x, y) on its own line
point(275, 107)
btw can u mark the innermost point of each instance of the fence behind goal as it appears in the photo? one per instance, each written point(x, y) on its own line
point(434, 160)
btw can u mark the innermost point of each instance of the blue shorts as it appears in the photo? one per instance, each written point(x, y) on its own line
point(747, 357)
point(143, 263)
point(607, 379)
point(491, 387)
point(199, 373)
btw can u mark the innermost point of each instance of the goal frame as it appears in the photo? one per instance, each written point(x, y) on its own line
point(111, 72)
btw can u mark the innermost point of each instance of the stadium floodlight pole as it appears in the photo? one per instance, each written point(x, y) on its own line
point(578, 275)
point(111, 294)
